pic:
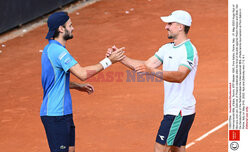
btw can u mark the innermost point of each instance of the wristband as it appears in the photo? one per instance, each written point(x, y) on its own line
point(105, 63)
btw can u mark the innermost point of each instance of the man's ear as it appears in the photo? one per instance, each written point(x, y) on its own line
point(181, 27)
point(61, 29)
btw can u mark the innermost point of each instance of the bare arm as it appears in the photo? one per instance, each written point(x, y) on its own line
point(150, 67)
point(83, 73)
point(131, 63)
point(82, 87)
point(152, 62)
point(73, 85)
point(170, 76)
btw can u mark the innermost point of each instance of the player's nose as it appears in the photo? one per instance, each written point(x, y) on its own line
point(167, 27)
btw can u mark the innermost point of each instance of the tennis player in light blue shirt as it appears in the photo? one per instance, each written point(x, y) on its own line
point(57, 64)
point(56, 61)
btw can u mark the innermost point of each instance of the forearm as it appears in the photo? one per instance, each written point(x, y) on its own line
point(83, 73)
point(90, 71)
point(170, 76)
point(73, 85)
point(131, 63)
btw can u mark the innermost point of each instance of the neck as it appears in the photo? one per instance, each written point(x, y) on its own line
point(181, 38)
point(61, 40)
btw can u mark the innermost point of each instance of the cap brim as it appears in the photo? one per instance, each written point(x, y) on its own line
point(50, 34)
point(168, 19)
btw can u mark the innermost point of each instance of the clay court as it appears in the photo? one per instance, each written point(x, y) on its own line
point(120, 116)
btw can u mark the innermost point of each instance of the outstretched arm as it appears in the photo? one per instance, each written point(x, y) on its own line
point(83, 73)
point(152, 62)
point(131, 63)
point(170, 76)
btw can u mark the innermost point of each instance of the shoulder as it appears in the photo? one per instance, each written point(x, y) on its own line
point(190, 45)
point(57, 50)
point(190, 50)
point(166, 46)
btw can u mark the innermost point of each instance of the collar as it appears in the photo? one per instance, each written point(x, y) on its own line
point(181, 43)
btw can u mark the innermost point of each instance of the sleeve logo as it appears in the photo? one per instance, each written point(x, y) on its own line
point(190, 63)
point(66, 61)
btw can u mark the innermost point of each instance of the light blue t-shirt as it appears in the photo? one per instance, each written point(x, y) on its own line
point(56, 62)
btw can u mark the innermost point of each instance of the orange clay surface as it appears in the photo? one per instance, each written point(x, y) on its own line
point(120, 116)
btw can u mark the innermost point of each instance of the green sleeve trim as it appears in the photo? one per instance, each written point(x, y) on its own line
point(190, 51)
point(159, 58)
point(186, 66)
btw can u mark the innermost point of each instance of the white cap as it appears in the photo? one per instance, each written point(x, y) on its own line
point(178, 16)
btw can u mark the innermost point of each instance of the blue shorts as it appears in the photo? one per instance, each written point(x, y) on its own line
point(174, 130)
point(60, 131)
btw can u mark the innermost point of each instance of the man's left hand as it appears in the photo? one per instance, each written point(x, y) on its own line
point(86, 88)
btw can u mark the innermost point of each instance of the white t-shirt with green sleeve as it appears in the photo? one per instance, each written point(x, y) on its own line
point(178, 97)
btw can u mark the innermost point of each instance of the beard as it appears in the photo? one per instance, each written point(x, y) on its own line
point(67, 35)
point(170, 37)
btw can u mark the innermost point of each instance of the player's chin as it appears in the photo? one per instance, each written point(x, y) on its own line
point(170, 36)
point(70, 37)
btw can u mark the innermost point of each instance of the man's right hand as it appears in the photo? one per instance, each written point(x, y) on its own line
point(115, 54)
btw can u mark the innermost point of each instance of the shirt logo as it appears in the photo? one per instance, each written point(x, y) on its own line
point(190, 63)
point(66, 61)
point(170, 57)
point(62, 147)
point(162, 137)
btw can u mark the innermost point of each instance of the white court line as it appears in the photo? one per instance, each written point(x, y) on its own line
point(206, 134)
